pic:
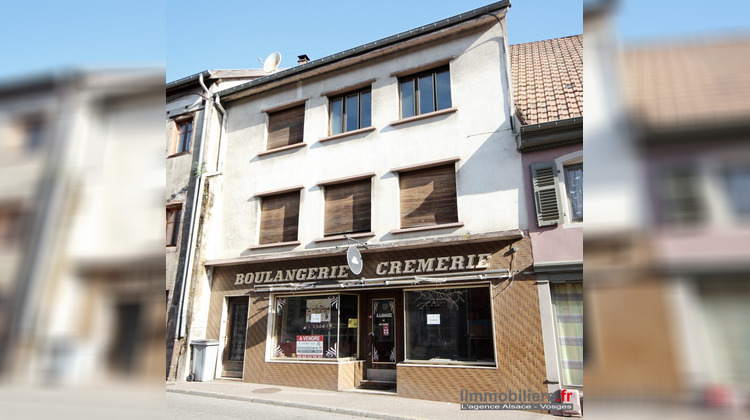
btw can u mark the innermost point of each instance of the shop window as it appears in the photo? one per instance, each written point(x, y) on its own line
point(425, 92)
point(428, 196)
point(316, 327)
point(279, 218)
point(347, 207)
point(567, 302)
point(285, 127)
point(350, 111)
point(174, 214)
point(449, 325)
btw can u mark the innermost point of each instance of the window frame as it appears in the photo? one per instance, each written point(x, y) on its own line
point(272, 339)
point(490, 365)
point(176, 234)
point(343, 97)
point(414, 77)
point(561, 163)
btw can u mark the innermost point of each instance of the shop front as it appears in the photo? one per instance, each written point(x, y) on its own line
point(430, 320)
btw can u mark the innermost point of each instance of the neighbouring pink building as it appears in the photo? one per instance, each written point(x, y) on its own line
point(548, 95)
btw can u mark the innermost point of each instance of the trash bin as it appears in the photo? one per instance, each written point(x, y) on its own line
point(204, 359)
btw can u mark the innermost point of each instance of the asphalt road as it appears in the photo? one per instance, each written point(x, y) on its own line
point(187, 407)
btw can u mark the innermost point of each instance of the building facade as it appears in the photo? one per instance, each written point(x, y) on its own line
point(192, 115)
point(548, 92)
point(368, 226)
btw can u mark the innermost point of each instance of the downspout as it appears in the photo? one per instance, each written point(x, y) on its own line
point(193, 217)
point(222, 131)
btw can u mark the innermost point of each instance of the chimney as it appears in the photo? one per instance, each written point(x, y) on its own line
point(302, 59)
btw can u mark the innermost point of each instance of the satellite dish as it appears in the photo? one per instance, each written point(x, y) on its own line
point(272, 62)
point(354, 259)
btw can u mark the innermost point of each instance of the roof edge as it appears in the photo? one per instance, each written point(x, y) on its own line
point(368, 47)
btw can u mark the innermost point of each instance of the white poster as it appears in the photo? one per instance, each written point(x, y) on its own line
point(433, 319)
point(321, 308)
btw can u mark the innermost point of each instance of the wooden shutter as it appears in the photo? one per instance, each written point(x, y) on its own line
point(279, 215)
point(347, 207)
point(428, 196)
point(546, 196)
point(285, 127)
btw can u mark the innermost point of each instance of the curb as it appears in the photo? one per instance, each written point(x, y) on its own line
point(290, 404)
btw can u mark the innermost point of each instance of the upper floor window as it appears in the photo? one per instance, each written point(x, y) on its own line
point(184, 135)
point(285, 127)
point(574, 190)
point(180, 135)
point(279, 218)
point(174, 214)
point(350, 111)
point(347, 207)
point(34, 133)
point(425, 92)
point(428, 196)
point(558, 190)
point(11, 224)
point(737, 181)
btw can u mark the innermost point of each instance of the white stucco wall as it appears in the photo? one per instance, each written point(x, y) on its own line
point(489, 173)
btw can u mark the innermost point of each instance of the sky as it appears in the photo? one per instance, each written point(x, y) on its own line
point(249, 31)
point(42, 36)
point(193, 36)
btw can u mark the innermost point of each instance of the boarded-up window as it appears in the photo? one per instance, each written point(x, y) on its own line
point(428, 196)
point(279, 216)
point(347, 208)
point(174, 213)
point(285, 127)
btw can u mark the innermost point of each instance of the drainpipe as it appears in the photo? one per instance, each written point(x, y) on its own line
point(222, 130)
point(182, 310)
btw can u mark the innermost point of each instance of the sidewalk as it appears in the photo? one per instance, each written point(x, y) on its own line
point(350, 403)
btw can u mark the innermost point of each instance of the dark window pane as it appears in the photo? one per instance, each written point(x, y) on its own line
point(348, 324)
point(449, 324)
point(407, 98)
point(337, 112)
point(443, 88)
point(352, 112)
point(426, 98)
point(365, 105)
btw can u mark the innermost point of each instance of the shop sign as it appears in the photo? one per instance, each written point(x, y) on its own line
point(391, 268)
point(310, 346)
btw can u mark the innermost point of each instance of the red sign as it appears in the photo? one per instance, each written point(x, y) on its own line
point(310, 346)
point(386, 329)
